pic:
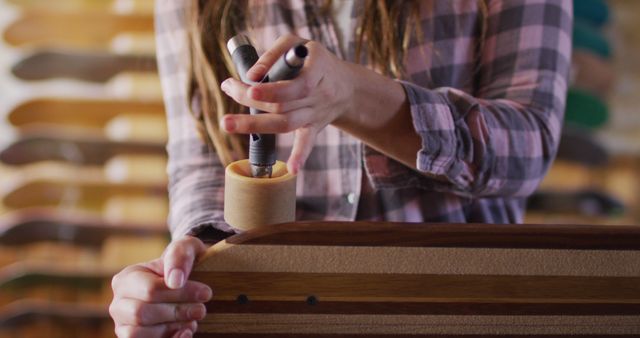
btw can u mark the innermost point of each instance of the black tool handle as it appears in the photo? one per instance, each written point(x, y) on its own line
point(262, 147)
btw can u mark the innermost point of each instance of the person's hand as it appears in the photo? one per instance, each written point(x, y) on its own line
point(320, 94)
point(155, 299)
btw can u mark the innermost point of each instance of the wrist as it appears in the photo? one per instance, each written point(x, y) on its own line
point(350, 79)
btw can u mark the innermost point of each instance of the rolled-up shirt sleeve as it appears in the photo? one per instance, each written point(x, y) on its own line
point(501, 139)
point(196, 176)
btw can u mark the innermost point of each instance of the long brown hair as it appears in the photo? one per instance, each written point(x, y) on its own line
point(382, 40)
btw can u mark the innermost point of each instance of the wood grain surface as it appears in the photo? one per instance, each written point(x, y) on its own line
point(92, 67)
point(591, 237)
point(83, 229)
point(87, 30)
point(126, 202)
point(335, 279)
point(38, 145)
point(29, 319)
point(53, 282)
point(79, 112)
point(127, 6)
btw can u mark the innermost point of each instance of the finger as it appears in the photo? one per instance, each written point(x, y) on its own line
point(162, 330)
point(264, 63)
point(185, 333)
point(138, 282)
point(178, 260)
point(156, 291)
point(239, 92)
point(281, 91)
point(301, 87)
point(126, 311)
point(302, 145)
point(266, 123)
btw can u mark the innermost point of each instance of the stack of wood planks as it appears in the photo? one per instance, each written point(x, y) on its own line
point(83, 182)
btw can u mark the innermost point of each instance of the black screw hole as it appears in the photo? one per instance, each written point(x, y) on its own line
point(312, 300)
point(242, 299)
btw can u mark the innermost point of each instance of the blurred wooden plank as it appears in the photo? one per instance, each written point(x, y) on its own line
point(82, 229)
point(113, 6)
point(60, 254)
point(38, 145)
point(79, 112)
point(92, 67)
point(53, 282)
point(141, 202)
point(138, 169)
point(74, 273)
point(35, 319)
point(88, 30)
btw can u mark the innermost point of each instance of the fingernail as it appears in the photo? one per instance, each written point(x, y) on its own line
point(197, 312)
point(204, 295)
point(186, 334)
point(176, 279)
point(225, 85)
point(228, 124)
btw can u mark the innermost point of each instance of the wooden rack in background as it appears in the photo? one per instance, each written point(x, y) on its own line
point(83, 187)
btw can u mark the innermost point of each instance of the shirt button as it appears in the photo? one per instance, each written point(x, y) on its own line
point(351, 198)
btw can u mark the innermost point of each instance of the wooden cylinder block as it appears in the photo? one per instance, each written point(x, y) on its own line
point(251, 202)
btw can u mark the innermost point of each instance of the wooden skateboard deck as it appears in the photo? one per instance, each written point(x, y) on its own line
point(79, 112)
point(74, 274)
point(38, 146)
point(141, 202)
point(83, 229)
point(85, 30)
point(37, 319)
point(336, 279)
point(56, 283)
point(92, 67)
point(128, 6)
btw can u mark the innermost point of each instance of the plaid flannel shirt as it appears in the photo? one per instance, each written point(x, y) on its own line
point(489, 115)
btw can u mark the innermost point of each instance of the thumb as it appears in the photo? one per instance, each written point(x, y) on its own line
point(178, 260)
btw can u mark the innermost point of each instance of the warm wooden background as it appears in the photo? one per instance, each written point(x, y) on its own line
point(82, 163)
point(82, 160)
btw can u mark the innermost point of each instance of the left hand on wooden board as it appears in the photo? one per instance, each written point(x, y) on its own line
point(320, 94)
point(155, 299)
